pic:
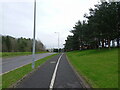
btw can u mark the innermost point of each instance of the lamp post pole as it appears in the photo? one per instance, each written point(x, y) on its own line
point(58, 40)
point(33, 51)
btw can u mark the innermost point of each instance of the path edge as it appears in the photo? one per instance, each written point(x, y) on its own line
point(83, 81)
point(27, 75)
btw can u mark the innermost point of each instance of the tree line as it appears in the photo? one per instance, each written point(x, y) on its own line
point(100, 30)
point(11, 44)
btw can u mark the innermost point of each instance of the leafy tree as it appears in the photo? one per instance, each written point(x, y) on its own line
point(11, 44)
point(102, 27)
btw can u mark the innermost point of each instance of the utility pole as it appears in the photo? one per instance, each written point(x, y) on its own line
point(33, 52)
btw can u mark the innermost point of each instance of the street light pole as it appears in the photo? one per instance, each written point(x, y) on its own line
point(58, 40)
point(33, 52)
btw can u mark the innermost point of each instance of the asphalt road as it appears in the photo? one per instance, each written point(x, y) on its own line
point(55, 73)
point(12, 63)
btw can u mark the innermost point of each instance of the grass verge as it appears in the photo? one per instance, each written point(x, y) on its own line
point(13, 76)
point(98, 67)
point(11, 54)
point(0, 82)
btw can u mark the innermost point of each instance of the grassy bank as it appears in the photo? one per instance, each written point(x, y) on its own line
point(13, 76)
point(98, 67)
point(11, 54)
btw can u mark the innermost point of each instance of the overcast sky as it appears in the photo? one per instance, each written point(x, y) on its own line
point(16, 18)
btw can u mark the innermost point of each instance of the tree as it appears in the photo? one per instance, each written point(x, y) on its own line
point(11, 44)
point(102, 26)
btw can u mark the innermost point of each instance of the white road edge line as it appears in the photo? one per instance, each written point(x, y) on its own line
point(18, 67)
point(14, 68)
point(54, 74)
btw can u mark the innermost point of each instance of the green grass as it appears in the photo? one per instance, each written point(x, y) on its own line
point(13, 76)
point(98, 67)
point(0, 82)
point(11, 54)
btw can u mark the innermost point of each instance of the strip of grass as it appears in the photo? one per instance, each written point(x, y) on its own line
point(13, 76)
point(98, 67)
point(11, 54)
point(0, 82)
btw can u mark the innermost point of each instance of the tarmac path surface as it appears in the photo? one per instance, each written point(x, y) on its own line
point(55, 73)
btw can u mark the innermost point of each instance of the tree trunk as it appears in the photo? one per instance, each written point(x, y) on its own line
point(113, 43)
point(109, 43)
point(99, 44)
point(103, 43)
point(118, 42)
point(106, 42)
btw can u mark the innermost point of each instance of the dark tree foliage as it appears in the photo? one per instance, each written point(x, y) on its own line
point(102, 27)
point(11, 44)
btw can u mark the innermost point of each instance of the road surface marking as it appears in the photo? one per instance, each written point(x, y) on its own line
point(53, 62)
point(18, 66)
point(14, 68)
point(54, 74)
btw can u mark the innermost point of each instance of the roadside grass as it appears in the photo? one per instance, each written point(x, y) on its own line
point(11, 54)
point(0, 82)
point(0, 54)
point(12, 77)
point(98, 67)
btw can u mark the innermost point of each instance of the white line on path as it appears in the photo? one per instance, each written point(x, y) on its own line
point(54, 74)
